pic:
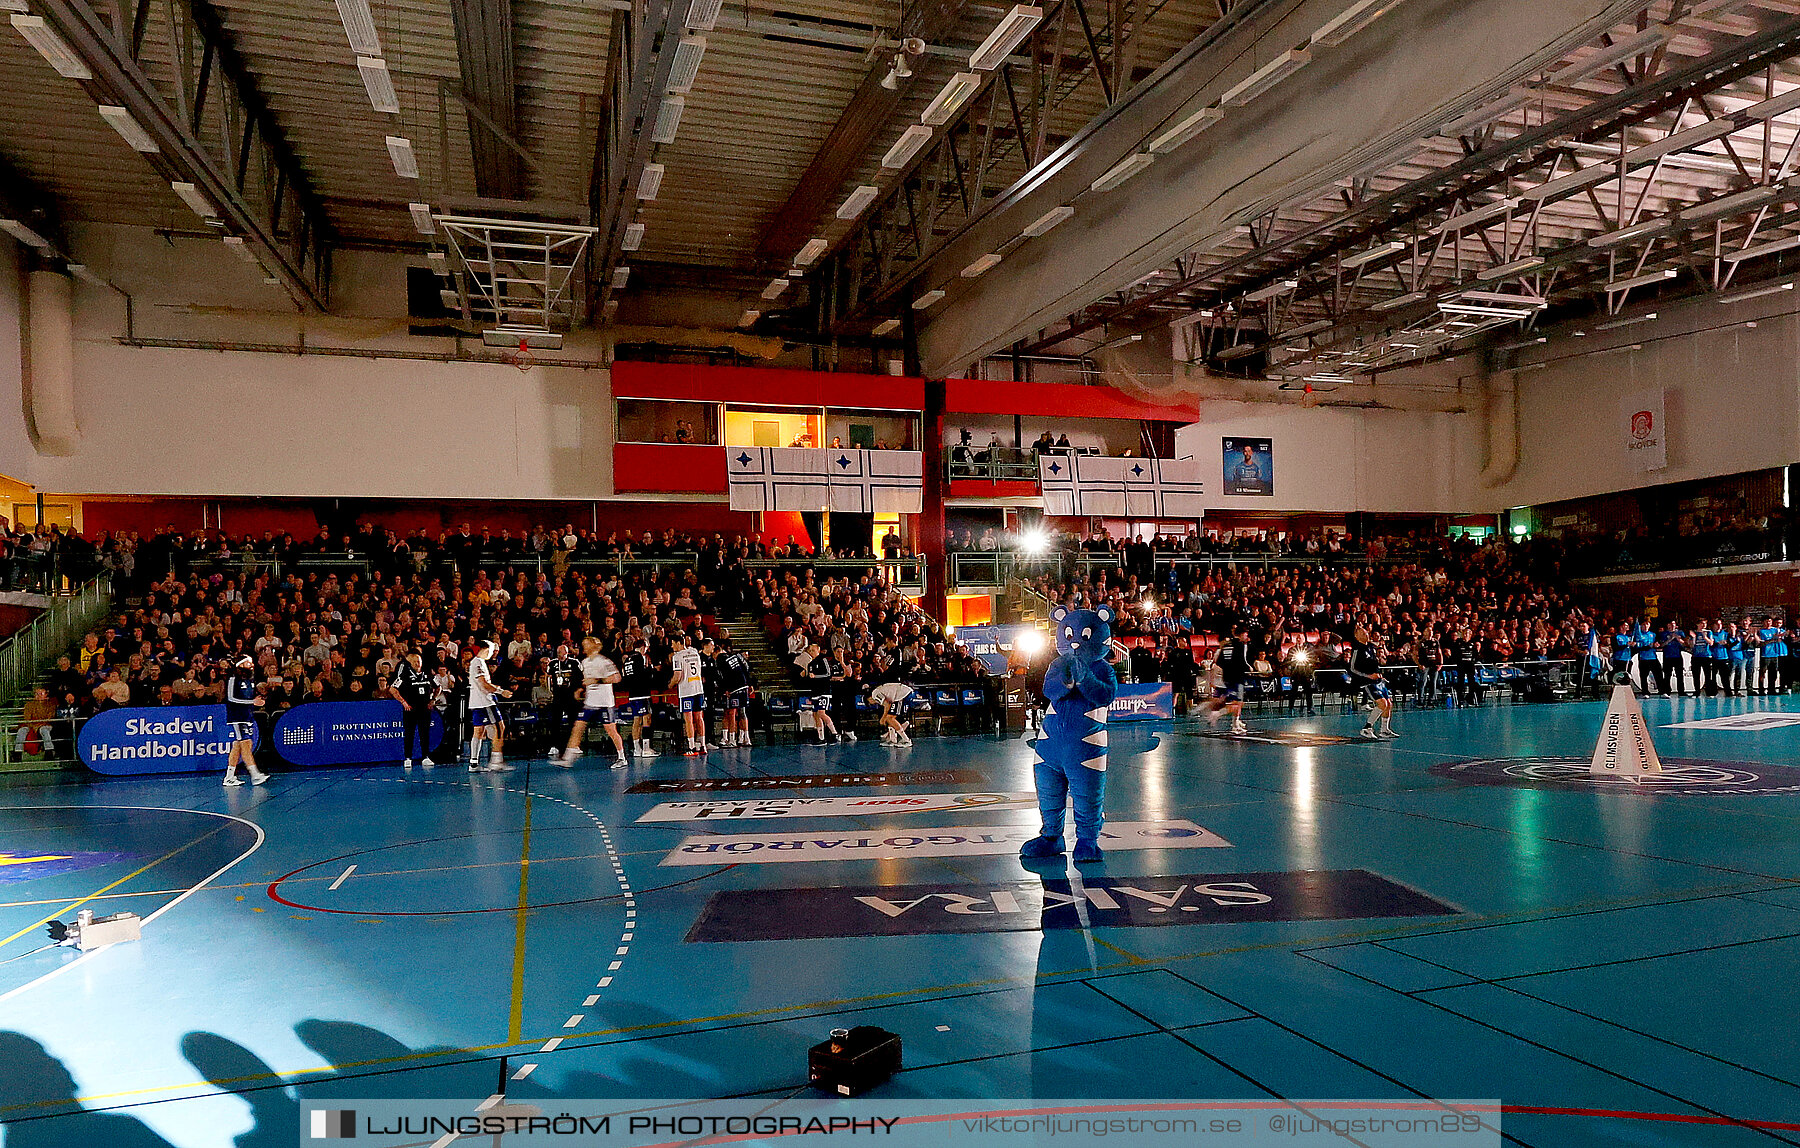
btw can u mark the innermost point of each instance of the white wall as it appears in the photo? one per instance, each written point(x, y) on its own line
point(1335, 460)
point(17, 457)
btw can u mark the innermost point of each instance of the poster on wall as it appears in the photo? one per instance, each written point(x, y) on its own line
point(1249, 467)
point(1642, 422)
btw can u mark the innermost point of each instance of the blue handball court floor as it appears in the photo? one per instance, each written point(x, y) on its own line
point(1457, 914)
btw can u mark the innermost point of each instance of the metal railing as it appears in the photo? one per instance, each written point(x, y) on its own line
point(987, 569)
point(991, 464)
point(24, 655)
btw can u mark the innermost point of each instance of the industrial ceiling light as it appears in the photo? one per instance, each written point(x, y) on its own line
point(196, 201)
point(1485, 310)
point(1352, 20)
point(1647, 280)
point(633, 237)
point(1772, 107)
point(1574, 181)
point(857, 200)
point(1241, 351)
point(621, 275)
point(1399, 301)
point(1476, 216)
point(668, 119)
point(774, 289)
point(1047, 220)
point(1304, 330)
point(378, 83)
point(1617, 323)
point(421, 217)
point(400, 150)
point(1732, 204)
point(886, 327)
point(438, 261)
point(688, 51)
point(1122, 171)
point(1488, 113)
point(55, 51)
point(359, 27)
point(1007, 35)
point(1508, 270)
point(911, 140)
point(749, 317)
point(1643, 42)
point(702, 15)
point(1762, 249)
point(236, 245)
point(650, 181)
point(1266, 77)
point(450, 299)
point(956, 90)
point(1185, 129)
point(1627, 234)
point(1682, 140)
point(1750, 293)
point(981, 266)
point(811, 250)
point(1281, 287)
point(930, 297)
point(128, 128)
point(1380, 251)
point(24, 234)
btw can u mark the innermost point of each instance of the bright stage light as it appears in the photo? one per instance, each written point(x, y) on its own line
point(1034, 542)
point(1029, 642)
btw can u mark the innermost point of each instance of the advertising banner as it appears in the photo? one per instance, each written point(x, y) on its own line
point(155, 739)
point(938, 841)
point(345, 733)
point(755, 808)
point(1143, 701)
point(1641, 420)
point(1249, 467)
point(990, 642)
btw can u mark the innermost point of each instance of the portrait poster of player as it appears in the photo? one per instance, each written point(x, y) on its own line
point(1249, 467)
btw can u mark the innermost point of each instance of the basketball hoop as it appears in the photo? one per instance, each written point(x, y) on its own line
point(521, 358)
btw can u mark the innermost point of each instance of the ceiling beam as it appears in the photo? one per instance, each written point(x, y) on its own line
point(845, 147)
point(484, 52)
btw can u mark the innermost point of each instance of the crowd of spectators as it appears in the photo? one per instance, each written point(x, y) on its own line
point(1708, 539)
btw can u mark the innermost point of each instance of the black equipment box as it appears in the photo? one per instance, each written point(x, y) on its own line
point(853, 1061)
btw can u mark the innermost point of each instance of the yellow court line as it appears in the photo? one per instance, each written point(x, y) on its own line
point(515, 1017)
point(41, 922)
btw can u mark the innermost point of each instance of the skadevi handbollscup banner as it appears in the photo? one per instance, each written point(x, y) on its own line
point(155, 739)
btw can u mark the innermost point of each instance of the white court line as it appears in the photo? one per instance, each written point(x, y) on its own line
point(550, 1045)
point(215, 875)
point(591, 1001)
point(524, 1071)
point(342, 877)
point(573, 1021)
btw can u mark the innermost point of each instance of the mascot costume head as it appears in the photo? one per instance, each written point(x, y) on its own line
point(1071, 751)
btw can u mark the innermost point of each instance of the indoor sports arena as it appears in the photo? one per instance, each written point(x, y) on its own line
point(650, 573)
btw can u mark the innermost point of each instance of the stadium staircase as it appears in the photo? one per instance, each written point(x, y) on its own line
point(26, 658)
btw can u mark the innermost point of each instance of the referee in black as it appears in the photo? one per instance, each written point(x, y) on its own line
point(413, 688)
point(563, 676)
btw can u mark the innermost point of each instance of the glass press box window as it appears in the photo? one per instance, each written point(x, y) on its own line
point(668, 421)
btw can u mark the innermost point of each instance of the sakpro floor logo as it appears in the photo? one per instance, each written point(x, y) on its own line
point(1686, 776)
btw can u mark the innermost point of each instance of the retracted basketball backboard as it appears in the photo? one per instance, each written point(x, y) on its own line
point(515, 274)
point(1624, 748)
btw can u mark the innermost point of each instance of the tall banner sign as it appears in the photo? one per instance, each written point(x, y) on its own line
point(1644, 427)
point(1249, 467)
point(346, 733)
point(808, 479)
point(155, 739)
point(1079, 485)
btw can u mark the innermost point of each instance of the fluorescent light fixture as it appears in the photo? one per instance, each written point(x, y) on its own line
point(437, 260)
point(1352, 20)
point(688, 51)
point(1502, 299)
point(13, 6)
point(650, 181)
point(1281, 287)
point(1633, 321)
point(359, 27)
point(1682, 140)
point(668, 119)
point(981, 266)
point(1266, 77)
point(811, 250)
point(1770, 108)
point(1750, 293)
point(236, 245)
point(1484, 310)
point(378, 83)
point(749, 317)
point(1122, 171)
point(1574, 181)
point(55, 51)
point(196, 202)
point(1381, 251)
point(400, 150)
point(911, 140)
point(128, 128)
point(450, 299)
point(1762, 249)
point(774, 289)
point(633, 237)
point(24, 234)
point(1241, 351)
point(1643, 42)
point(951, 96)
point(930, 297)
point(1523, 343)
point(703, 14)
point(1007, 35)
point(1627, 234)
point(1312, 328)
point(886, 327)
point(1476, 215)
point(421, 217)
point(856, 201)
point(1399, 301)
point(1327, 377)
point(1185, 129)
point(86, 274)
point(1047, 220)
point(1614, 350)
point(1508, 270)
point(1488, 113)
point(1732, 204)
point(621, 275)
point(1647, 280)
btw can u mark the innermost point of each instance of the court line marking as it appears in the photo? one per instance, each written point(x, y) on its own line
point(341, 878)
point(515, 1018)
point(215, 874)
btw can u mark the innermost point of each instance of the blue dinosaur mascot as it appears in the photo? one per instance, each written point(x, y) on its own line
point(1071, 750)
